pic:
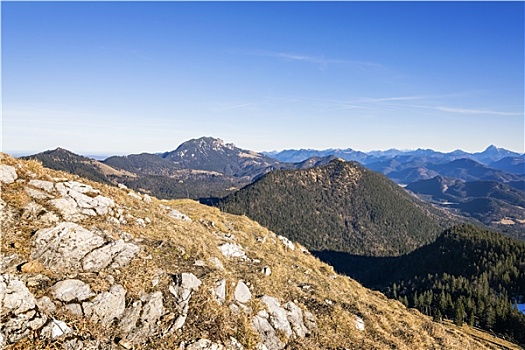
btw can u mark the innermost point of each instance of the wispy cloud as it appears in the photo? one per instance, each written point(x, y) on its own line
point(233, 107)
point(393, 103)
point(476, 111)
point(396, 98)
point(320, 60)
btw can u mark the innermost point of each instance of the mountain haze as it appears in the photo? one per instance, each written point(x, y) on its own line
point(489, 155)
point(498, 205)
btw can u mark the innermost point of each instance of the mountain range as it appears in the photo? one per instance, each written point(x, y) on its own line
point(490, 155)
point(207, 168)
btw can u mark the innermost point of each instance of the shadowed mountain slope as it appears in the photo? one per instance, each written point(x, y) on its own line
point(467, 275)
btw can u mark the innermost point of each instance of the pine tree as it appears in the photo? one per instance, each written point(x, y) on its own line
point(459, 314)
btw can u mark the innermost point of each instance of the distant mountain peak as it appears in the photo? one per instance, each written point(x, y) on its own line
point(213, 154)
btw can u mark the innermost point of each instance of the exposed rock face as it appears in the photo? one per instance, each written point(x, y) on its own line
point(18, 314)
point(183, 287)
point(80, 200)
point(37, 194)
point(266, 331)
point(290, 320)
point(64, 246)
point(47, 186)
point(140, 319)
point(287, 243)
point(204, 344)
point(70, 246)
point(114, 255)
point(294, 314)
point(14, 296)
point(220, 291)
point(55, 329)
point(106, 306)
point(278, 315)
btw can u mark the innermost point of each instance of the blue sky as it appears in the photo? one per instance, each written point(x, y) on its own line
point(131, 77)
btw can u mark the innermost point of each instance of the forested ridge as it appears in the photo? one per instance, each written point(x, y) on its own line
point(63, 160)
point(341, 207)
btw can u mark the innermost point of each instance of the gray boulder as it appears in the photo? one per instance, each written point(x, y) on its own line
point(7, 174)
point(152, 310)
point(32, 211)
point(184, 285)
point(37, 194)
point(45, 304)
point(140, 321)
point(242, 293)
point(174, 213)
point(130, 317)
point(55, 329)
point(232, 250)
point(71, 289)
point(204, 344)
point(17, 305)
point(74, 309)
point(219, 292)
point(15, 298)
point(287, 243)
point(68, 208)
point(75, 202)
point(16, 327)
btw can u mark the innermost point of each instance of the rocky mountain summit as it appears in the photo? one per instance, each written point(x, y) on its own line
point(212, 154)
point(90, 266)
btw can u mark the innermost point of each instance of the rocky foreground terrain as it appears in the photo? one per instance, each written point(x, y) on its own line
point(90, 266)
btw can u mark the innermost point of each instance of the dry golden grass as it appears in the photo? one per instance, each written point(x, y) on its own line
point(171, 246)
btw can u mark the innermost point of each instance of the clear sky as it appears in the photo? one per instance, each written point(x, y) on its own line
point(131, 77)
